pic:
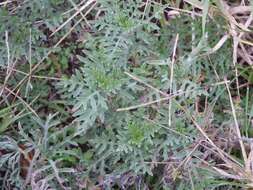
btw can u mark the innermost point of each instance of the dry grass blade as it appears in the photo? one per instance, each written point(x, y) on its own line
point(8, 49)
point(235, 53)
point(87, 4)
point(229, 160)
point(244, 54)
point(195, 3)
point(168, 97)
point(224, 8)
point(73, 27)
point(246, 42)
point(169, 129)
point(29, 85)
point(32, 76)
point(9, 65)
point(27, 76)
point(147, 3)
point(146, 84)
point(5, 3)
point(77, 9)
point(171, 75)
point(66, 35)
point(151, 102)
point(218, 45)
point(240, 9)
point(178, 10)
point(237, 128)
point(21, 99)
point(187, 158)
point(228, 175)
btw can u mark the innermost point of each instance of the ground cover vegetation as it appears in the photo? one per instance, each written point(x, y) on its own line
point(126, 94)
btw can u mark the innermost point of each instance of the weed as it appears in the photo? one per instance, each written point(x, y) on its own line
point(126, 94)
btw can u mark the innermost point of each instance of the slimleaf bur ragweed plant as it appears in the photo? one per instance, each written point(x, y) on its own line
point(126, 94)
